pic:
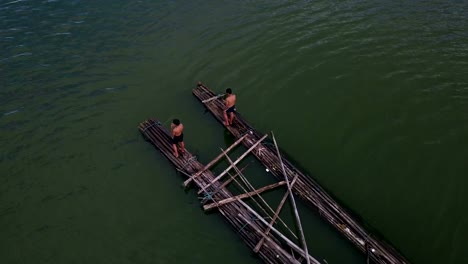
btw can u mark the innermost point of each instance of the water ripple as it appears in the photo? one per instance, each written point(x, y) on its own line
point(379, 88)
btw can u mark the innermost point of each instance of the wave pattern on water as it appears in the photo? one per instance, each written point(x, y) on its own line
point(365, 94)
point(382, 80)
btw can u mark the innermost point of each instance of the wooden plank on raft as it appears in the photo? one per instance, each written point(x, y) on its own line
point(203, 189)
point(273, 220)
point(244, 195)
point(187, 182)
point(296, 213)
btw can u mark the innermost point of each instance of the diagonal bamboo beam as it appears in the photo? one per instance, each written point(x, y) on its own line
point(247, 183)
point(244, 195)
point(275, 246)
point(187, 182)
point(278, 210)
point(231, 178)
point(203, 188)
point(212, 98)
point(296, 213)
point(289, 242)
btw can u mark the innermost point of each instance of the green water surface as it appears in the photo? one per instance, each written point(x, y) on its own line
point(370, 98)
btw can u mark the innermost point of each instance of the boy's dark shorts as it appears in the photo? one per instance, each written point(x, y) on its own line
point(231, 109)
point(178, 139)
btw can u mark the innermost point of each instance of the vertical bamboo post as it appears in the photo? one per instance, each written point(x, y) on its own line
point(296, 213)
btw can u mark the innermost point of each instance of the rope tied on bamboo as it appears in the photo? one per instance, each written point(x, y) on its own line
point(207, 196)
point(152, 125)
point(189, 161)
point(252, 218)
point(246, 132)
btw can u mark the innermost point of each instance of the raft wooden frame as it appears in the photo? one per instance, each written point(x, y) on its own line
point(251, 225)
point(305, 187)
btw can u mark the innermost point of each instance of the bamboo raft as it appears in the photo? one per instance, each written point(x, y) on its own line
point(305, 187)
point(259, 234)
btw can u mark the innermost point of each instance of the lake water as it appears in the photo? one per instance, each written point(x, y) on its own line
point(370, 98)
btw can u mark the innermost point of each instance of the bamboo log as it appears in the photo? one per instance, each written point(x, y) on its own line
point(203, 189)
point(231, 178)
point(289, 242)
point(244, 195)
point(300, 188)
point(316, 192)
point(296, 213)
point(278, 210)
point(260, 197)
point(212, 98)
point(264, 236)
point(213, 161)
point(331, 216)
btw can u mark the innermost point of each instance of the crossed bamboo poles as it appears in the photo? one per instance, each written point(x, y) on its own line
point(255, 193)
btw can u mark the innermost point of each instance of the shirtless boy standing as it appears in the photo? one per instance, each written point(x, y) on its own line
point(177, 137)
point(230, 107)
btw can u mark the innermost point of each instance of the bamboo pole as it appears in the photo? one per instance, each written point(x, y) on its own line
point(296, 213)
point(287, 255)
point(213, 161)
point(278, 210)
point(231, 178)
point(203, 188)
point(306, 187)
point(289, 242)
point(261, 199)
point(212, 98)
point(258, 204)
point(244, 195)
point(316, 198)
point(254, 200)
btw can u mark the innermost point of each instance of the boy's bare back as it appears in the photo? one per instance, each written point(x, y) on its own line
point(177, 130)
point(231, 100)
